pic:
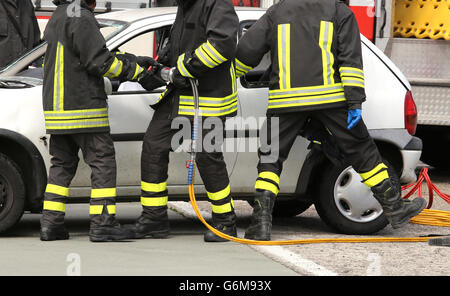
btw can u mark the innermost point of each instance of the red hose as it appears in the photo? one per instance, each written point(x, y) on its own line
point(423, 176)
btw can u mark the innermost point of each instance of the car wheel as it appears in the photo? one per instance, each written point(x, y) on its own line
point(290, 208)
point(347, 205)
point(12, 193)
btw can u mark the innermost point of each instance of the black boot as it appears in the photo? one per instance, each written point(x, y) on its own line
point(225, 223)
point(153, 222)
point(51, 233)
point(261, 223)
point(105, 228)
point(398, 211)
point(52, 226)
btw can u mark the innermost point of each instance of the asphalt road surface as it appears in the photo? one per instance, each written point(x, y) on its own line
point(184, 252)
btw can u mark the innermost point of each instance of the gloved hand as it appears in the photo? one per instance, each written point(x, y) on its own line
point(174, 76)
point(354, 116)
point(151, 81)
point(146, 62)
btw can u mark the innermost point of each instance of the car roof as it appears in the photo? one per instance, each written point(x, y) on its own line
point(134, 15)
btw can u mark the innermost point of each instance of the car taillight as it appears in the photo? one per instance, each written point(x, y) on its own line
point(410, 113)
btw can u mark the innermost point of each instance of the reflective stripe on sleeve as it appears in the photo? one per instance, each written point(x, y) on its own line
point(182, 68)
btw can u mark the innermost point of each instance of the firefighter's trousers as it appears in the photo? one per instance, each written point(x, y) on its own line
point(98, 152)
point(154, 172)
point(356, 146)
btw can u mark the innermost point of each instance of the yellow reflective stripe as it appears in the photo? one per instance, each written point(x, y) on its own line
point(56, 189)
point(307, 103)
point(325, 42)
point(205, 113)
point(226, 208)
point(205, 58)
point(224, 193)
point(271, 176)
point(54, 206)
point(77, 111)
point(372, 172)
point(154, 201)
point(153, 187)
point(352, 76)
point(138, 71)
point(304, 99)
point(352, 81)
point(115, 69)
point(233, 78)
point(264, 185)
point(377, 179)
point(103, 192)
point(58, 82)
point(76, 114)
point(284, 55)
point(210, 49)
point(182, 68)
point(74, 124)
point(351, 71)
point(243, 67)
point(98, 209)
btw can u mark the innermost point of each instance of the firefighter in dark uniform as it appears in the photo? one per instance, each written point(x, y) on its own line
point(202, 46)
point(19, 30)
point(76, 116)
point(316, 72)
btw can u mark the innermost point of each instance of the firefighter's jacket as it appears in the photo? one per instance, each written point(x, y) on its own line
point(202, 46)
point(316, 55)
point(76, 61)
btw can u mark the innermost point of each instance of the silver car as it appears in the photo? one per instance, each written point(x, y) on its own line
point(309, 177)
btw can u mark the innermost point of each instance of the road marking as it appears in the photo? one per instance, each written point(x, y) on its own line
point(293, 261)
point(277, 253)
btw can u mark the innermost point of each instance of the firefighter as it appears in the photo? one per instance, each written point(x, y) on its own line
point(202, 46)
point(316, 73)
point(19, 30)
point(76, 117)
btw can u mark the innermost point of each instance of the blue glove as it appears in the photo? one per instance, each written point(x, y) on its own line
point(354, 116)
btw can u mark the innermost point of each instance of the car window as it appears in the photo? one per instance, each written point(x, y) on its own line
point(259, 76)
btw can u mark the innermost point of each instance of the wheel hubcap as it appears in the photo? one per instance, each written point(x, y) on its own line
point(355, 200)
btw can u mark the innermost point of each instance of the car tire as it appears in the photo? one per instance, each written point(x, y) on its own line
point(12, 193)
point(346, 205)
point(290, 208)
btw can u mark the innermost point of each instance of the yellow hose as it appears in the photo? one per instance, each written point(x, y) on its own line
point(433, 218)
point(429, 214)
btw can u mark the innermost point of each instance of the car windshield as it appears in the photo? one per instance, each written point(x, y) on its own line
point(30, 63)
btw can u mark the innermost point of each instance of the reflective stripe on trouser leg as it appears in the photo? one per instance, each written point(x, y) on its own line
point(221, 201)
point(268, 181)
point(55, 198)
point(154, 194)
point(101, 198)
point(375, 176)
